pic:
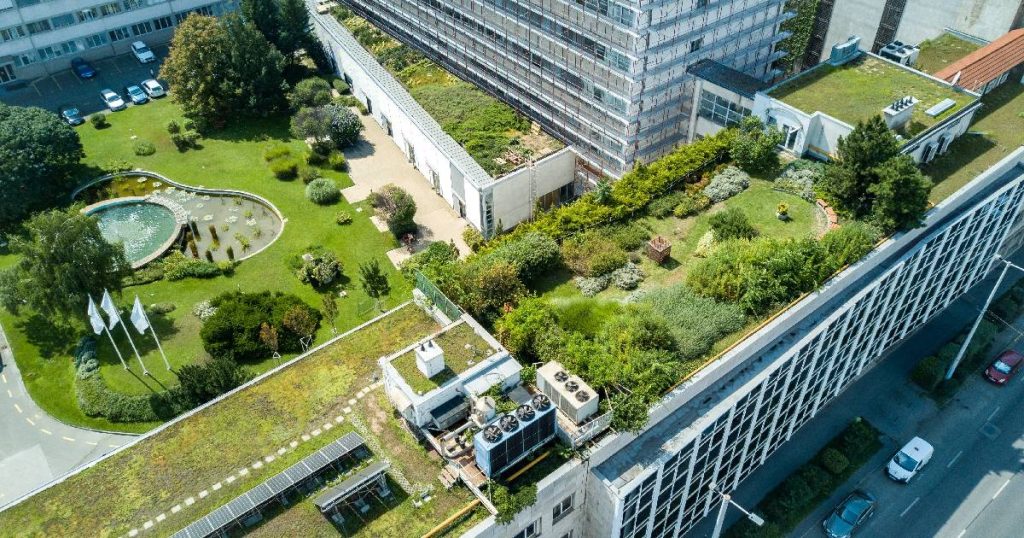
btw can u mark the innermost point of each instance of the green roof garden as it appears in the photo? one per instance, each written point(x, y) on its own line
point(862, 88)
point(941, 51)
point(463, 348)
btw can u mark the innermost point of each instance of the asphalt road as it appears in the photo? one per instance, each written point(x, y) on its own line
point(34, 447)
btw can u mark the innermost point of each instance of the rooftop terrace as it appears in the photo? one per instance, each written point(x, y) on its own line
point(862, 88)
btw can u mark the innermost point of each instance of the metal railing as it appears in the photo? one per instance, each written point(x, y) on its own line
point(436, 296)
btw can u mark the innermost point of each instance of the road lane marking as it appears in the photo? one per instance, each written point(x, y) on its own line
point(952, 461)
point(10, 394)
point(907, 509)
point(30, 421)
point(963, 532)
point(68, 439)
point(1001, 488)
point(4, 376)
point(18, 407)
point(994, 411)
point(93, 443)
point(47, 432)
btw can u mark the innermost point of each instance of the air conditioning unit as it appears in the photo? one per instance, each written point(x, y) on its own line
point(513, 436)
point(900, 53)
point(429, 359)
point(570, 393)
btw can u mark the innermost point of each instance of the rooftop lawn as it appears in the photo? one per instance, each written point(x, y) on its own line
point(230, 158)
point(941, 51)
point(148, 478)
point(497, 137)
point(462, 347)
point(998, 129)
point(862, 88)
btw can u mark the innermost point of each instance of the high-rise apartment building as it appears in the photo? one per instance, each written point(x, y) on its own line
point(607, 76)
point(40, 37)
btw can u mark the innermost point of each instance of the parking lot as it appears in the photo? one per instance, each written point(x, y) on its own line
point(66, 89)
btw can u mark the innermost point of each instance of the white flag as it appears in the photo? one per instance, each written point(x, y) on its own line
point(107, 304)
point(139, 318)
point(95, 319)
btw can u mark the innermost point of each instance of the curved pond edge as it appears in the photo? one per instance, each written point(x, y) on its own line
point(182, 186)
point(176, 212)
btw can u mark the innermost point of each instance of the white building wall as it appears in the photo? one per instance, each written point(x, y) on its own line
point(513, 200)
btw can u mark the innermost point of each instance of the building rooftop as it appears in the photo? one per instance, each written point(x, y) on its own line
point(863, 87)
point(976, 69)
point(726, 77)
point(463, 348)
point(936, 53)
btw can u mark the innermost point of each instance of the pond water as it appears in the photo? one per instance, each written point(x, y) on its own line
point(142, 227)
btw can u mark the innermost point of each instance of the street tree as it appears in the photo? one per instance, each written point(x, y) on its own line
point(62, 259)
point(37, 153)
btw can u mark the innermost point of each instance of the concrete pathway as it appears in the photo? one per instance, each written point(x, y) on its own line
point(376, 161)
point(34, 447)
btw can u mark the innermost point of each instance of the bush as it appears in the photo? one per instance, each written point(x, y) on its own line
point(755, 147)
point(336, 161)
point(99, 120)
point(662, 206)
point(308, 174)
point(628, 236)
point(818, 479)
point(97, 400)
point(343, 218)
point(473, 238)
point(591, 286)
point(726, 184)
point(203, 310)
point(232, 332)
point(143, 148)
point(200, 383)
point(705, 244)
point(592, 254)
point(284, 168)
point(160, 309)
point(316, 158)
point(276, 151)
point(680, 307)
point(340, 85)
point(173, 127)
point(185, 140)
point(519, 329)
point(396, 207)
point(834, 461)
point(320, 271)
point(227, 267)
point(627, 277)
point(929, 372)
point(731, 224)
point(309, 92)
point(858, 441)
point(799, 179)
point(177, 266)
point(533, 255)
point(323, 191)
point(691, 205)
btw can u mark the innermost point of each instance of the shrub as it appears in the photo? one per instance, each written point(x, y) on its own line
point(309, 92)
point(177, 266)
point(284, 168)
point(232, 332)
point(320, 271)
point(818, 479)
point(591, 286)
point(628, 236)
point(336, 161)
point(323, 191)
point(473, 238)
point(160, 309)
point(731, 224)
point(705, 244)
point(396, 207)
point(755, 147)
point(847, 244)
point(834, 461)
point(592, 254)
point(98, 120)
point(203, 310)
point(858, 441)
point(627, 277)
point(185, 140)
point(340, 85)
point(343, 218)
point(308, 174)
point(227, 267)
point(799, 179)
point(276, 151)
point(143, 148)
point(692, 204)
point(533, 255)
point(114, 166)
point(316, 158)
point(191, 125)
point(173, 127)
point(726, 184)
point(682, 308)
point(662, 206)
point(97, 400)
point(509, 504)
point(200, 383)
point(519, 328)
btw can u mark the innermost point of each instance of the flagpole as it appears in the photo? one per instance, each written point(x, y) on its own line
point(96, 321)
point(140, 312)
point(114, 313)
point(118, 351)
point(129, 335)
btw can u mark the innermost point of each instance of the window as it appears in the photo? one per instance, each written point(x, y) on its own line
point(561, 509)
point(38, 27)
point(60, 21)
point(720, 110)
point(132, 4)
point(7, 73)
point(142, 28)
point(162, 22)
point(26, 3)
point(530, 531)
point(94, 41)
point(112, 8)
point(117, 34)
point(696, 44)
point(87, 14)
point(12, 33)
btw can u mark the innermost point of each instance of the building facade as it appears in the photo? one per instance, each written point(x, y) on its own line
point(40, 37)
point(726, 421)
point(606, 76)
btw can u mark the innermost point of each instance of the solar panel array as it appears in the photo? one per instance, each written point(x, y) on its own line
point(244, 504)
point(338, 493)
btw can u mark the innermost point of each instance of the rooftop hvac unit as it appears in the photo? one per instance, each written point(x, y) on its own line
point(900, 53)
point(571, 394)
point(429, 359)
point(846, 51)
point(514, 436)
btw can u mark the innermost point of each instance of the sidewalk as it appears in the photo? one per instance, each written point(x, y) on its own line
point(376, 161)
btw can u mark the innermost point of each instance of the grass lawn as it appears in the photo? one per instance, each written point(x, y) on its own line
point(462, 349)
point(941, 51)
point(862, 88)
point(998, 129)
point(148, 478)
point(233, 159)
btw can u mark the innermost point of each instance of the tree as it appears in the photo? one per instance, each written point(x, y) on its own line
point(299, 320)
point(848, 178)
point(396, 207)
point(329, 309)
point(732, 224)
point(310, 92)
point(329, 126)
point(223, 68)
point(264, 15)
point(296, 31)
point(755, 147)
point(62, 259)
point(900, 195)
point(375, 282)
point(37, 152)
point(200, 383)
point(234, 330)
point(268, 335)
point(345, 125)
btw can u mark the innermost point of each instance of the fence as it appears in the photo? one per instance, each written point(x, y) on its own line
point(440, 300)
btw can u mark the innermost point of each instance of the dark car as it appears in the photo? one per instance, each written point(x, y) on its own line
point(82, 68)
point(71, 115)
point(1004, 367)
point(850, 514)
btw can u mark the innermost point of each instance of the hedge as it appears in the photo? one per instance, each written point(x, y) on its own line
point(97, 400)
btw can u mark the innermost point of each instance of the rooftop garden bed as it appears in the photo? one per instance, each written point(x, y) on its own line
point(148, 478)
point(497, 137)
point(462, 347)
point(937, 53)
point(862, 88)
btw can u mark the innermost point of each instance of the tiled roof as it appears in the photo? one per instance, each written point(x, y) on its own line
point(987, 63)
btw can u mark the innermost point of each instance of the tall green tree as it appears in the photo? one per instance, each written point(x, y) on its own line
point(296, 31)
point(37, 153)
point(265, 15)
point(256, 69)
point(900, 195)
point(756, 146)
point(62, 259)
point(848, 178)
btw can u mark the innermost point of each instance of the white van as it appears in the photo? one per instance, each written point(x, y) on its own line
point(909, 460)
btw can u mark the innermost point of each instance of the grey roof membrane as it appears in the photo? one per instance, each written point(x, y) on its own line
point(727, 77)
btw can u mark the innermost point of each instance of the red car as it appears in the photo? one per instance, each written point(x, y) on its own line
point(1004, 367)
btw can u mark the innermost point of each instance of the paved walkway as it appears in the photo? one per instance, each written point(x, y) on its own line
point(34, 447)
point(376, 161)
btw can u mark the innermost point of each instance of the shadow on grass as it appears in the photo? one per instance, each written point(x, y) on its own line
point(274, 127)
point(51, 338)
point(962, 151)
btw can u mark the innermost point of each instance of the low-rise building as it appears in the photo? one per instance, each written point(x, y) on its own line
point(990, 66)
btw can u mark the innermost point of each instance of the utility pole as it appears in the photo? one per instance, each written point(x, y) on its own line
point(726, 501)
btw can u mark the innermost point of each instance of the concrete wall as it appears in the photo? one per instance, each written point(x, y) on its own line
point(513, 202)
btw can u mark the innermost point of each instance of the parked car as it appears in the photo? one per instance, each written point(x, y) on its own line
point(142, 52)
point(1004, 367)
point(137, 96)
point(112, 100)
point(909, 460)
point(153, 88)
point(853, 512)
point(323, 6)
point(82, 68)
point(71, 115)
